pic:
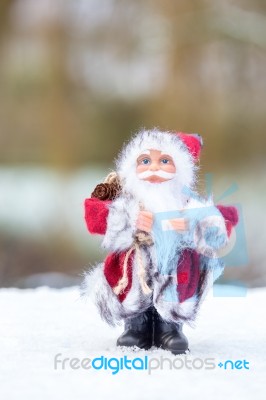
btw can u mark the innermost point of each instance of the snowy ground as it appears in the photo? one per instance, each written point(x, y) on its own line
point(37, 324)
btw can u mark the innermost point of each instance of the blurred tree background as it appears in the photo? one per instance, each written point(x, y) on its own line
point(78, 77)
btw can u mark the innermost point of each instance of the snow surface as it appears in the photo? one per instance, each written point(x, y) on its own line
point(37, 324)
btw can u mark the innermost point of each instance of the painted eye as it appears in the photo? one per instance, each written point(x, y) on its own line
point(145, 161)
point(165, 161)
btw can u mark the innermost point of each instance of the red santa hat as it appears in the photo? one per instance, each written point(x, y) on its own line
point(194, 143)
point(184, 148)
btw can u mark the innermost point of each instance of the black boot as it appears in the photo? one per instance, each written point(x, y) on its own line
point(169, 335)
point(138, 331)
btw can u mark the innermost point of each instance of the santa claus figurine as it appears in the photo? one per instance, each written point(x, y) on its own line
point(163, 240)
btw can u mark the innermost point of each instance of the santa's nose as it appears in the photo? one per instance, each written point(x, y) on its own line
point(154, 167)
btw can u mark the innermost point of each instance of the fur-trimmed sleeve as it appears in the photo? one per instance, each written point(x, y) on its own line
point(231, 217)
point(121, 224)
point(96, 212)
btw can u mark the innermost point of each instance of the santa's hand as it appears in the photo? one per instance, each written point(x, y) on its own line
point(144, 221)
point(179, 224)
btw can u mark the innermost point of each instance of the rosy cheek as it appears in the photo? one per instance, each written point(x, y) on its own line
point(168, 168)
point(141, 168)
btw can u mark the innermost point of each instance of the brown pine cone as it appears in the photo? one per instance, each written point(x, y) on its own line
point(106, 191)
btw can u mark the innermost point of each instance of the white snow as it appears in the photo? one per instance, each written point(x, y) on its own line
point(37, 324)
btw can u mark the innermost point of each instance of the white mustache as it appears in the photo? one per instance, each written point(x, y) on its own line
point(160, 173)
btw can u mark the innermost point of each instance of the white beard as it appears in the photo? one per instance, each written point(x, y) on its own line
point(156, 197)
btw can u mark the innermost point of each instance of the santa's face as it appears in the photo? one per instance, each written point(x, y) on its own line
point(155, 167)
